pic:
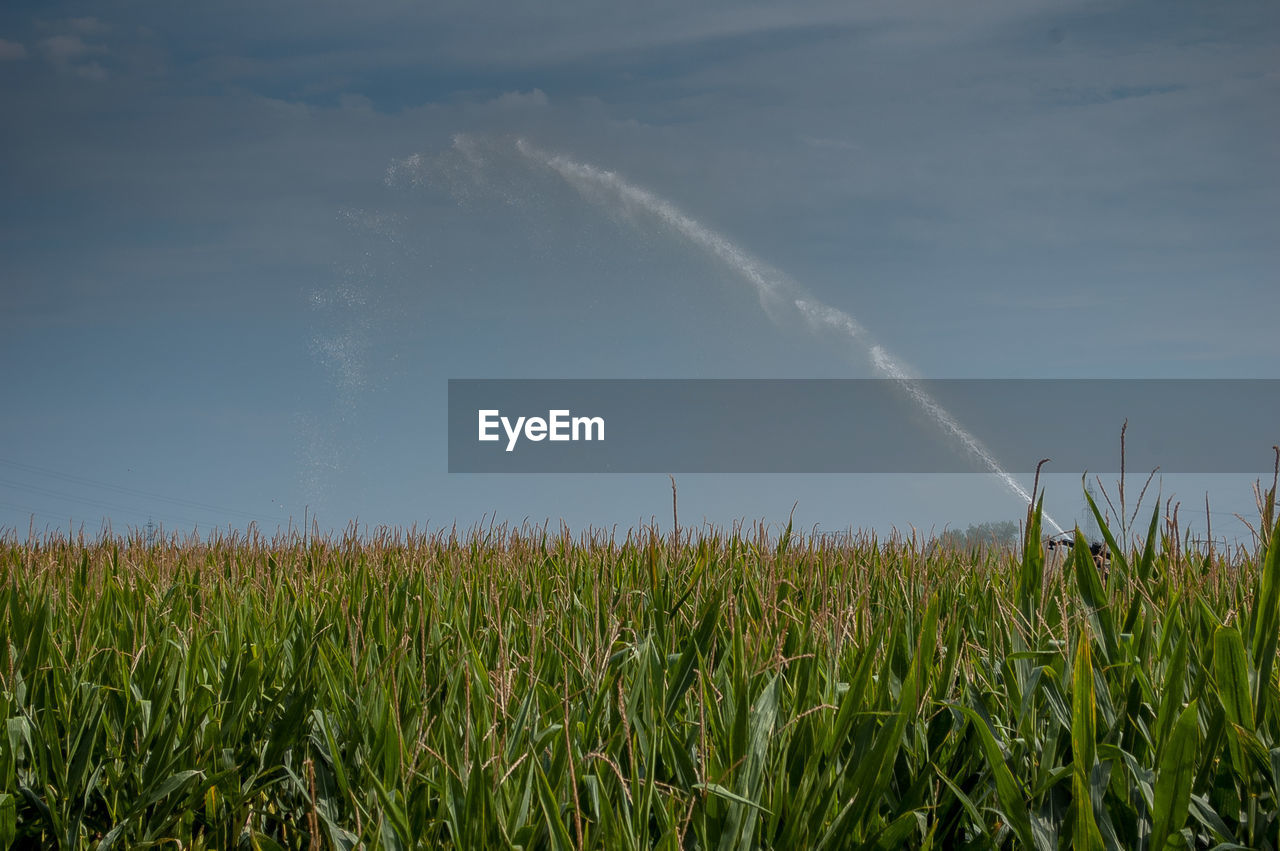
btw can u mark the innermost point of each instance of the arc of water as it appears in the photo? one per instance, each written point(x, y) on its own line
point(773, 289)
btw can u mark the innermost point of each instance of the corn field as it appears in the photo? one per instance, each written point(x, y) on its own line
point(523, 688)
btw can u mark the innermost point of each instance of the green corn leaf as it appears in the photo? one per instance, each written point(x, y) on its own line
point(1117, 552)
point(1266, 619)
point(1031, 576)
point(560, 839)
point(1148, 558)
point(1012, 799)
point(1171, 693)
point(170, 785)
point(1083, 748)
point(1095, 598)
point(8, 820)
point(1232, 673)
point(742, 819)
point(873, 773)
point(698, 644)
point(1174, 778)
point(896, 832)
point(965, 801)
point(728, 795)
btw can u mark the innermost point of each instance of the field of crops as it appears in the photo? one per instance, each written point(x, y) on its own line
point(532, 689)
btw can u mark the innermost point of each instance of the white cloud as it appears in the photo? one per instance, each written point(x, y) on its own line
point(90, 71)
point(355, 103)
point(11, 51)
point(72, 54)
point(88, 26)
point(65, 48)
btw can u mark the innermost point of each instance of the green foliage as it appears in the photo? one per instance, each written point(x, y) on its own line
point(518, 689)
point(996, 535)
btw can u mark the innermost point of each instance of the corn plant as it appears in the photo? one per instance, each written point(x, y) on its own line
point(521, 688)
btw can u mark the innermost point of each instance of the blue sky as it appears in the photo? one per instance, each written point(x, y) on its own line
point(221, 302)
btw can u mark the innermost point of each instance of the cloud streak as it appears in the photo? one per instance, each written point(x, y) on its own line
point(12, 51)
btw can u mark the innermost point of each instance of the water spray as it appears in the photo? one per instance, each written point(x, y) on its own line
point(776, 291)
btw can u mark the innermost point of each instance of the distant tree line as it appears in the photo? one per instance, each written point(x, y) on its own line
point(993, 534)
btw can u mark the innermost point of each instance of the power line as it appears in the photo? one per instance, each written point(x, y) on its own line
point(121, 489)
point(28, 510)
point(87, 500)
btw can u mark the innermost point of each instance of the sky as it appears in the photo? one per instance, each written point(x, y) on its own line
point(244, 246)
